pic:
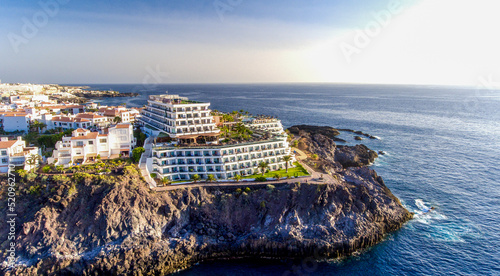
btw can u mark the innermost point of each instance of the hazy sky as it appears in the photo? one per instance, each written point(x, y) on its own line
point(243, 41)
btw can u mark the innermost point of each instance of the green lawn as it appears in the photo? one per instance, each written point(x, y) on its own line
point(298, 170)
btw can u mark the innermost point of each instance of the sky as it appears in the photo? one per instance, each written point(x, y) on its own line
point(449, 42)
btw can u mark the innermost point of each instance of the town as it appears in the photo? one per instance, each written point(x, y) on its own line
point(172, 139)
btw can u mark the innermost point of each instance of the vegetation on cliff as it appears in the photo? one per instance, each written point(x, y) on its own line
point(89, 224)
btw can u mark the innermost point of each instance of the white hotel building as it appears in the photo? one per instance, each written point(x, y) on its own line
point(196, 147)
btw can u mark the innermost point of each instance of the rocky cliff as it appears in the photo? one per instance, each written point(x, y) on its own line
point(107, 225)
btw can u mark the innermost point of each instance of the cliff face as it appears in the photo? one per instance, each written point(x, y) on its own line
point(96, 225)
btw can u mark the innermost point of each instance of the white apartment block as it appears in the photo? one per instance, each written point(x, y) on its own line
point(65, 122)
point(16, 153)
point(126, 115)
point(224, 161)
point(14, 121)
point(180, 118)
point(264, 123)
point(86, 146)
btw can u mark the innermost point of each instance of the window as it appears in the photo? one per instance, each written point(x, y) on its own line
point(103, 140)
point(4, 152)
point(5, 160)
point(123, 138)
point(79, 143)
point(91, 142)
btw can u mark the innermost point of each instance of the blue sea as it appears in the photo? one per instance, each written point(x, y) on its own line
point(443, 150)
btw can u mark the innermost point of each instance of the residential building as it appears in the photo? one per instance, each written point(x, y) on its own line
point(11, 121)
point(85, 146)
point(264, 123)
point(188, 121)
point(223, 161)
point(16, 153)
point(65, 122)
point(194, 144)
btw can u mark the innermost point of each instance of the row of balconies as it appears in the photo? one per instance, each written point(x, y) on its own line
point(184, 155)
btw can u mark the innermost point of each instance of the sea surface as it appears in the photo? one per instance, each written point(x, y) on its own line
point(443, 150)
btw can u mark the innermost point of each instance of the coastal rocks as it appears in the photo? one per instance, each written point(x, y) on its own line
point(358, 133)
point(357, 138)
point(117, 226)
point(326, 131)
point(355, 156)
point(333, 158)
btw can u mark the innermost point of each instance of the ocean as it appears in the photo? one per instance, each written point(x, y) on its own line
point(443, 149)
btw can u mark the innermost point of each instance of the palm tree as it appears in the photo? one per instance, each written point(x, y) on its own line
point(117, 119)
point(211, 178)
point(263, 166)
point(165, 181)
point(237, 177)
point(195, 178)
point(38, 126)
point(287, 159)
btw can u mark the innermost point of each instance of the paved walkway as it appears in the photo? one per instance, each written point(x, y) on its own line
point(314, 178)
point(148, 150)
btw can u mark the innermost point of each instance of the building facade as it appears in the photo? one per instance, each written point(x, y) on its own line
point(196, 148)
point(223, 161)
point(15, 152)
point(85, 146)
point(179, 118)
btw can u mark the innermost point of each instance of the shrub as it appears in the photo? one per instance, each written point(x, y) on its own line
point(238, 191)
point(46, 169)
point(263, 204)
point(270, 187)
point(247, 190)
point(21, 173)
point(31, 176)
point(260, 179)
point(136, 153)
point(72, 190)
point(130, 170)
point(35, 190)
point(314, 156)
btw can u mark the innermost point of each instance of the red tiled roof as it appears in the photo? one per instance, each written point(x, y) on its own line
point(122, 125)
point(7, 144)
point(88, 115)
point(91, 135)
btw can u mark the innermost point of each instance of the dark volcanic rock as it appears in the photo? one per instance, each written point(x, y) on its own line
point(115, 225)
point(355, 156)
point(358, 138)
point(358, 132)
point(327, 131)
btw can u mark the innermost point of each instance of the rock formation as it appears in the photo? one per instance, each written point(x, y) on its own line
point(114, 224)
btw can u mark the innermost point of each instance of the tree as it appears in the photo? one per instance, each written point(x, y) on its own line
point(277, 176)
point(165, 181)
point(136, 153)
point(117, 119)
point(37, 126)
point(263, 166)
point(195, 178)
point(287, 159)
point(237, 177)
point(211, 178)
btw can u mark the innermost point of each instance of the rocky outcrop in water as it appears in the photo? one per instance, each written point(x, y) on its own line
point(113, 224)
point(326, 131)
